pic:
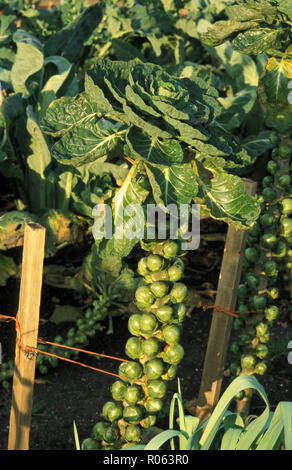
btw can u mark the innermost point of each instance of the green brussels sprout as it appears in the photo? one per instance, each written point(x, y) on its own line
point(170, 249)
point(286, 227)
point(134, 324)
point(269, 194)
point(259, 302)
point(270, 268)
point(261, 351)
point(133, 433)
point(285, 151)
point(244, 338)
point(284, 180)
point(173, 353)
point(273, 293)
point(272, 167)
point(286, 206)
point(175, 272)
point(133, 348)
point(248, 362)
point(269, 240)
point(178, 292)
point(164, 313)
point(271, 313)
point(261, 329)
point(154, 263)
point(114, 413)
point(151, 347)
point(154, 368)
point(241, 291)
point(133, 414)
point(275, 139)
point(238, 324)
point(133, 394)
point(251, 254)
point(148, 421)
point(180, 311)
point(235, 368)
point(235, 348)
point(153, 405)
point(280, 250)
point(111, 434)
point(260, 368)
point(148, 323)
point(118, 389)
point(142, 268)
point(170, 373)
point(156, 388)
point(143, 295)
point(265, 338)
point(90, 444)
point(266, 220)
point(171, 334)
point(159, 288)
point(133, 370)
point(121, 371)
point(98, 430)
point(267, 181)
point(106, 407)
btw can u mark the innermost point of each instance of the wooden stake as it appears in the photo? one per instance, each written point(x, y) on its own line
point(221, 325)
point(28, 323)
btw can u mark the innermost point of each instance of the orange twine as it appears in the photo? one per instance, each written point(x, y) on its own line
point(229, 311)
point(39, 340)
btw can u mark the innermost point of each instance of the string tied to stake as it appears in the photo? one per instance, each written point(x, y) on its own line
point(36, 351)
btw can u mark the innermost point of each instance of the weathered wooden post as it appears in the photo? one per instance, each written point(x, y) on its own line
point(27, 332)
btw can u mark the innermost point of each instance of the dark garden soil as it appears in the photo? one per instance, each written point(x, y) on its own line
point(71, 392)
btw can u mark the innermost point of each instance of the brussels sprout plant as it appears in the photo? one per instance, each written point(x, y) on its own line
point(166, 127)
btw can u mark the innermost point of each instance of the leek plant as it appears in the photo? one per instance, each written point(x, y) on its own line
point(226, 430)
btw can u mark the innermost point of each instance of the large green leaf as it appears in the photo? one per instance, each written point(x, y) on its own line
point(126, 222)
point(66, 112)
point(273, 94)
point(225, 195)
point(223, 30)
point(175, 184)
point(54, 83)
point(262, 41)
point(88, 141)
point(29, 60)
point(153, 150)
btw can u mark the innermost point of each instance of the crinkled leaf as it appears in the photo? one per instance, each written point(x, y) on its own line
point(225, 195)
point(153, 150)
point(273, 94)
point(132, 192)
point(88, 141)
point(221, 31)
point(174, 184)
point(66, 113)
point(262, 41)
